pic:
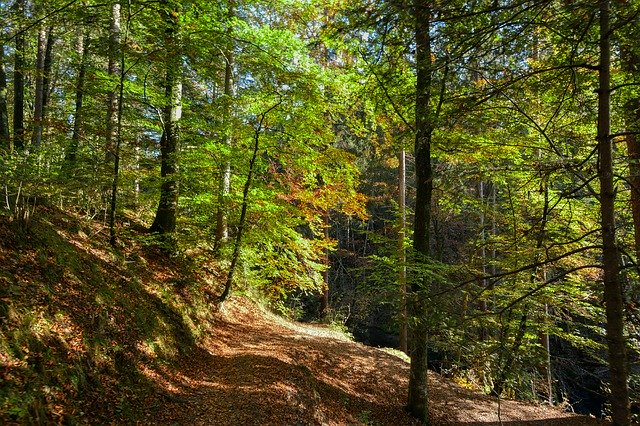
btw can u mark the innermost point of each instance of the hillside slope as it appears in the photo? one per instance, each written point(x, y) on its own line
point(93, 335)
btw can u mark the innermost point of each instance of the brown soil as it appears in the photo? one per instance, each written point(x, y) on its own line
point(257, 369)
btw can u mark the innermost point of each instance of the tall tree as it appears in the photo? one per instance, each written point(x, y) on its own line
point(417, 304)
point(225, 175)
point(5, 135)
point(82, 50)
point(18, 78)
point(614, 304)
point(36, 135)
point(631, 65)
point(165, 219)
point(113, 72)
point(402, 252)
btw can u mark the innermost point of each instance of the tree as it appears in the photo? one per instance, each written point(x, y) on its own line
point(417, 304)
point(82, 49)
point(112, 72)
point(614, 304)
point(5, 136)
point(18, 79)
point(165, 219)
point(225, 175)
point(40, 90)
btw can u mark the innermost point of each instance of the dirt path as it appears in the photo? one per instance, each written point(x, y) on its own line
point(259, 370)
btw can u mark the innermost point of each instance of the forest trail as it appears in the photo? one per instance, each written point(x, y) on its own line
point(260, 370)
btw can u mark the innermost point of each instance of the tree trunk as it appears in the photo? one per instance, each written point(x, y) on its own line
point(36, 135)
point(112, 97)
point(225, 179)
point(46, 76)
point(402, 253)
point(116, 160)
point(417, 404)
point(18, 81)
point(324, 295)
point(616, 341)
point(82, 48)
point(165, 220)
point(5, 136)
point(631, 64)
point(245, 205)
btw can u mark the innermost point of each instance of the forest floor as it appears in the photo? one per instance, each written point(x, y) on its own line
point(258, 369)
point(93, 335)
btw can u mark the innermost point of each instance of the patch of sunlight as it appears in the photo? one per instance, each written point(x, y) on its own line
point(396, 352)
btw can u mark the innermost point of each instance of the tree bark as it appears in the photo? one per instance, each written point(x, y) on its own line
point(165, 219)
point(5, 135)
point(18, 81)
point(616, 342)
point(417, 404)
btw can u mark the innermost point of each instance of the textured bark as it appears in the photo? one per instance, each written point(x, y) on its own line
point(165, 219)
point(417, 404)
point(5, 136)
point(18, 82)
point(616, 342)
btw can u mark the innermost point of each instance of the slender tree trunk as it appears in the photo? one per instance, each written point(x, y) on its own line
point(18, 81)
point(225, 179)
point(402, 253)
point(165, 219)
point(633, 150)
point(82, 47)
point(116, 161)
point(5, 136)
point(46, 76)
point(417, 404)
point(324, 295)
point(36, 135)
point(631, 64)
point(245, 204)
point(112, 97)
point(546, 344)
point(616, 341)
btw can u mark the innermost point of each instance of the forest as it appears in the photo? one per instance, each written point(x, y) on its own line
point(459, 180)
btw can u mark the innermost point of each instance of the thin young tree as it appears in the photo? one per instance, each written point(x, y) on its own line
point(5, 135)
point(18, 78)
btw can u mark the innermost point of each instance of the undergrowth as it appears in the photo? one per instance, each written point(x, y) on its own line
point(78, 320)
